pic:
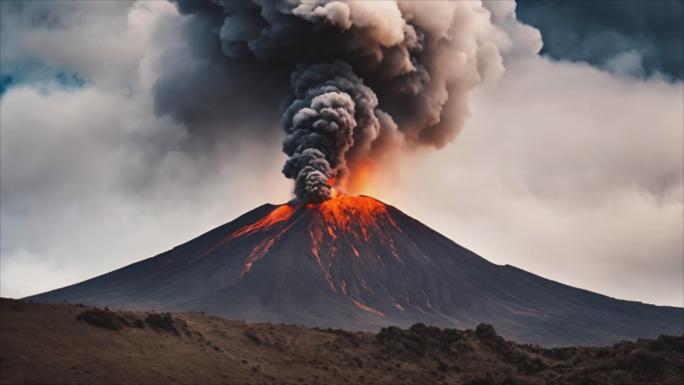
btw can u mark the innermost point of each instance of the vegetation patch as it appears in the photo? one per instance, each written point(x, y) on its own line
point(105, 318)
point(418, 341)
point(164, 322)
point(117, 320)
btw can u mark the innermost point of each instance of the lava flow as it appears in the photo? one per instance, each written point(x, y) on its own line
point(341, 214)
point(354, 218)
point(342, 227)
point(280, 214)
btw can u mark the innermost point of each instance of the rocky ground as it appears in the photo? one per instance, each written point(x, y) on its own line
point(76, 344)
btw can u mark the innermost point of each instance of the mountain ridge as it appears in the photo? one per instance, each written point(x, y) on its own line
point(357, 263)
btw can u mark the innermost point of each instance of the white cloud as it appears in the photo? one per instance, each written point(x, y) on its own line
point(567, 171)
point(92, 180)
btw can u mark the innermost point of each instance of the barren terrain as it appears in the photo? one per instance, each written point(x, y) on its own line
point(75, 344)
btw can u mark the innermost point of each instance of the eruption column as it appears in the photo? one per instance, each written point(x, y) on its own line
point(368, 79)
point(331, 103)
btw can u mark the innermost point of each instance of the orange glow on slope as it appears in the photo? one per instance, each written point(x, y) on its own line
point(343, 227)
point(349, 225)
point(280, 214)
point(366, 308)
point(262, 248)
point(257, 253)
point(340, 211)
point(355, 216)
point(316, 240)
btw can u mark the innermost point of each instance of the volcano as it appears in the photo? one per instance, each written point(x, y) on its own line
point(357, 263)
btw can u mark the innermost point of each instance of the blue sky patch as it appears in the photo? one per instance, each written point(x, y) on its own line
point(41, 75)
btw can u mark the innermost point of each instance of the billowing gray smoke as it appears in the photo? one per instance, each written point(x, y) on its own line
point(367, 78)
point(331, 104)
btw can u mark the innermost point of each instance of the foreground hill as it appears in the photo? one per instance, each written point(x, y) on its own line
point(357, 263)
point(75, 344)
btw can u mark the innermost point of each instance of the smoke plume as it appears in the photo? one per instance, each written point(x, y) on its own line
point(367, 78)
point(331, 104)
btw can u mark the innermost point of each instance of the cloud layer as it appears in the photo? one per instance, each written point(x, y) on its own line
point(642, 38)
point(385, 76)
point(583, 186)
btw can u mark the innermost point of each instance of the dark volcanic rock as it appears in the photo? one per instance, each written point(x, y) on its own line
point(356, 263)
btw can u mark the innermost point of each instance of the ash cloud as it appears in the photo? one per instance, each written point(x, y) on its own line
point(320, 126)
point(367, 78)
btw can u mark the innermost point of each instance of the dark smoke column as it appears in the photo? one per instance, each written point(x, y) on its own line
point(331, 102)
point(421, 60)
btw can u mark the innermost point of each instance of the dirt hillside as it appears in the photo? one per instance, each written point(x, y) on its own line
point(72, 344)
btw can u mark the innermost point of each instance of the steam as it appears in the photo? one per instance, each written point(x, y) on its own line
point(367, 78)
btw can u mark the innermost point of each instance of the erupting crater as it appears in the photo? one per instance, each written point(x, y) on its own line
point(337, 229)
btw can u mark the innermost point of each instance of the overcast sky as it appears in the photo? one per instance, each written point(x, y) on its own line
point(570, 166)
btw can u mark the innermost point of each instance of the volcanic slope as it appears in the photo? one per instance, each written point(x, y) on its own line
point(357, 263)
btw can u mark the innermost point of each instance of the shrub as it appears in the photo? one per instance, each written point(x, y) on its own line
point(666, 343)
point(485, 331)
point(417, 341)
point(162, 321)
point(103, 318)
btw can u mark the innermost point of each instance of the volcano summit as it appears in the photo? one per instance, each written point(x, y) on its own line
point(357, 263)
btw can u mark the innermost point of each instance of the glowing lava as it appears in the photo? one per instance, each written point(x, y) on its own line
point(343, 227)
point(349, 217)
point(279, 214)
point(356, 218)
point(262, 248)
point(344, 211)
